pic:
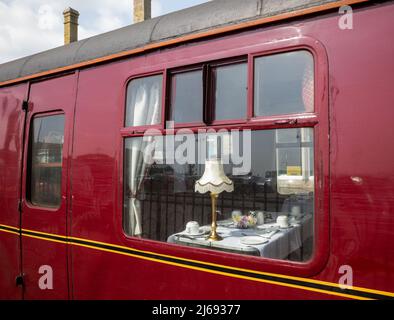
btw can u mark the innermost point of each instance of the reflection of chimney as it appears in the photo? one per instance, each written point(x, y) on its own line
point(142, 10)
point(70, 25)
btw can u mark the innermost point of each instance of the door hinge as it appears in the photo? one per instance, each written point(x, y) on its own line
point(25, 105)
point(19, 280)
point(20, 205)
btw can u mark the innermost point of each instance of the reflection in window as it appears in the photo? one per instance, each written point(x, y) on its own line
point(231, 91)
point(144, 100)
point(160, 198)
point(294, 161)
point(45, 167)
point(187, 97)
point(284, 84)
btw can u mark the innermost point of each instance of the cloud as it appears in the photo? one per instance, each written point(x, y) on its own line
point(47, 18)
point(28, 27)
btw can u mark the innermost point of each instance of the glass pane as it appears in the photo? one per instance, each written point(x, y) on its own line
point(231, 92)
point(144, 100)
point(272, 172)
point(45, 172)
point(187, 97)
point(284, 84)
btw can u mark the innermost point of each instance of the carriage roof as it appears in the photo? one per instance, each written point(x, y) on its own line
point(188, 22)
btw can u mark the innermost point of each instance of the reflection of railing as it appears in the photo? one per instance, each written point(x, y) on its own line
point(46, 184)
point(166, 211)
point(47, 152)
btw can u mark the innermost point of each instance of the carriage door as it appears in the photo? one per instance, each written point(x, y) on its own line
point(45, 183)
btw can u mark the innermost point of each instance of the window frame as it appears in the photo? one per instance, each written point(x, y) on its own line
point(318, 120)
point(127, 130)
point(181, 70)
point(212, 87)
point(208, 84)
point(27, 184)
point(253, 58)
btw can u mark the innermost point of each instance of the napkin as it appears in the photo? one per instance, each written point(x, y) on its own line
point(268, 235)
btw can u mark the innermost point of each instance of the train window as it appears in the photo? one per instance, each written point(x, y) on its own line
point(230, 91)
point(284, 83)
point(187, 97)
point(144, 101)
point(45, 165)
point(269, 214)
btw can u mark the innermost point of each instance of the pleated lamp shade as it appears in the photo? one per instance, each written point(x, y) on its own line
point(214, 179)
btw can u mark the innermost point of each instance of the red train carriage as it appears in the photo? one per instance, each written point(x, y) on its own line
point(295, 106)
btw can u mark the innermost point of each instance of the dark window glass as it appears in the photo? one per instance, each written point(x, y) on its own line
point(230, 92)
point(284, 84)
point(273, 175)
point(187, 97)
point(144, 100)
point(45, 167)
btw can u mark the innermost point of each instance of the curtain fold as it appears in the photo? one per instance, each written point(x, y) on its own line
point(308, 87)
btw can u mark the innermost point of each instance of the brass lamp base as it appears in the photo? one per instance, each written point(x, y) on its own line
point(213, 236)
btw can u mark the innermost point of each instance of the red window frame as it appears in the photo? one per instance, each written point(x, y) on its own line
point(318, 120)
point(208, 84)
point(27, 182)
point(169, 84)
point(127, 130)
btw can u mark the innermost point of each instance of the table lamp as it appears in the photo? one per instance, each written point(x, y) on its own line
point(214, 181)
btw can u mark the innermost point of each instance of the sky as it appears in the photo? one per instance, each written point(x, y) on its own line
point(31, 26)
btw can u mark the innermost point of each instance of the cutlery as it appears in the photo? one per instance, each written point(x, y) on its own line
point(266, 235)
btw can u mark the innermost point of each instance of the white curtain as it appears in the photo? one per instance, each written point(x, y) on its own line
point(308, 87)
point(147, 110)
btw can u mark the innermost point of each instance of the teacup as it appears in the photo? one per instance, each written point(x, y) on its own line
point(296, 211)
point(282, 221)
point(260, 217)
point(192, 228)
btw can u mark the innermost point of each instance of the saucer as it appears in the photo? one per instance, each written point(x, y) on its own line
point(285, 228)
point(251, 240)
point(200, 233)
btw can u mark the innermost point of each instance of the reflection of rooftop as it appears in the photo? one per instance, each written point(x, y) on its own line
point(166, 173)
point(295, 184)
point(49, 165)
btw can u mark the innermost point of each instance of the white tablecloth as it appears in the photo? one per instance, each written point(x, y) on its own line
point(279, 246)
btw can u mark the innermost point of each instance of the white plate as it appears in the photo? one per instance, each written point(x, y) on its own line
point(267, 226)
point(251, 240)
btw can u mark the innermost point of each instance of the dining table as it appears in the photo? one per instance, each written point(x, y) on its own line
point(267, 240)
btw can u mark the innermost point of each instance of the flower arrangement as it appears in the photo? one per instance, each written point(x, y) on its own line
point(245, 221)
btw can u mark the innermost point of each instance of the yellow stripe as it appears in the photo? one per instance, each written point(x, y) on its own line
point(334, 285)
point(13, 232)
point(226, 274)
point(42, 238)
point(5, 226)
point(46, 234)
